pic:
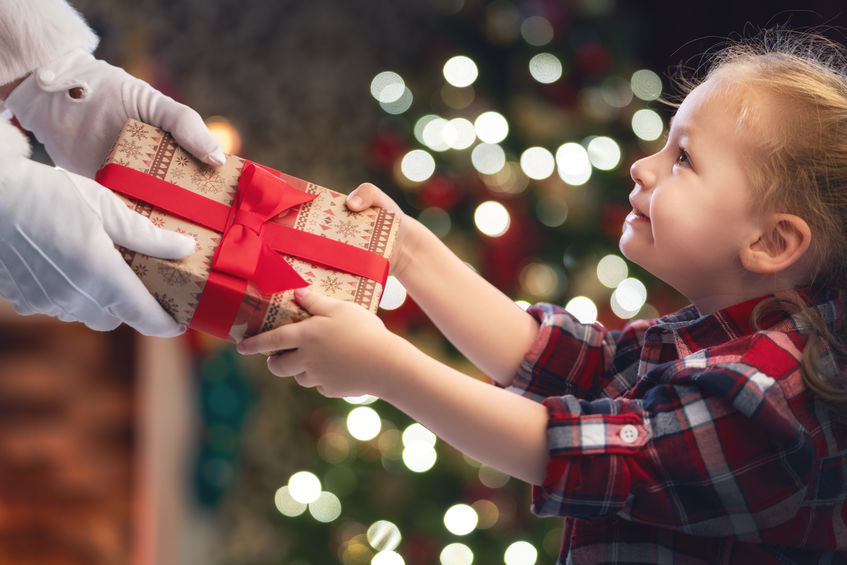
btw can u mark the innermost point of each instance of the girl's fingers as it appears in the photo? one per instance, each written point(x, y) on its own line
point(278, 339)
point(287, 364)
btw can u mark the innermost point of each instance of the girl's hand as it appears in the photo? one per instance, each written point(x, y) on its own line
point(367, 195)
point(342, 350)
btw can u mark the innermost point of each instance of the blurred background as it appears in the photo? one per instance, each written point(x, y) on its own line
point(506, 126)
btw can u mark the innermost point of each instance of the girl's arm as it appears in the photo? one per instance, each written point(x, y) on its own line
point(482, 322)
point(344, 350)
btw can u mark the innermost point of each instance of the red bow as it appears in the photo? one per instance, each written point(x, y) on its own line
point(243, 251)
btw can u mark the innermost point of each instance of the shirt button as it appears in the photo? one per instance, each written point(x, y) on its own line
point(46, 76)
point(628, 433)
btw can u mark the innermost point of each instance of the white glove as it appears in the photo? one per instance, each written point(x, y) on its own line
point(76, 106)
point(57, 255)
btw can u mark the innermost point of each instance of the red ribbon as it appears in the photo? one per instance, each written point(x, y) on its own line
point(251, 243)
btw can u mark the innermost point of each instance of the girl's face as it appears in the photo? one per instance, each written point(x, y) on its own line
point(692, 205)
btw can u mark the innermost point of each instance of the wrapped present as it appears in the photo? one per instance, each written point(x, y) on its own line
point(260, 234)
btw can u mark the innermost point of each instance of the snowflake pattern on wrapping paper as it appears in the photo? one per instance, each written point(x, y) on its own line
point(181, 160)
point(140, 270)
point(207, 180)
point(330, 284)
point(172, 276)
point(168, 303)
point(130, 148)
point(177, 174)
point(122, 162)
point(137, 130)
point(346, 230)
point(158, 221)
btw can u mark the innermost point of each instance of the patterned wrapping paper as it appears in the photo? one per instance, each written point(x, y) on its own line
point(178, 284)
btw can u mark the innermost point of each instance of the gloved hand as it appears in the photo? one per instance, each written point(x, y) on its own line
point(57, 255)
point(76, 106)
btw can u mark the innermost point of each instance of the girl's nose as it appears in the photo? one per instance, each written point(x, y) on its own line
point(642, 173)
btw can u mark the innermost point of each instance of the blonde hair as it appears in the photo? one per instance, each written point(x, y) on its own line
point(800, 164)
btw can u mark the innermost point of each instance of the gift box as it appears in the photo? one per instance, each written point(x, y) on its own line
point(260, 234)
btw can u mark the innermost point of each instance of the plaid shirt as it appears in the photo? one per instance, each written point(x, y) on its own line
point(688, 439)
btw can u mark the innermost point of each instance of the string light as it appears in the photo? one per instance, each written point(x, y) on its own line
point(364, 423)
point(647, 124)
point(546, 68)
point(491, 127)
point(573, 164)
point(492, 218)
point(537, 31)
point(646, 84)
point(417, 165)
point(488, 158)
point(460, 519)
point(583, 309)
point(460, 71)
point(520, 553)
point(394, 294)
point(456, 554)
point(537, 163)
point(304, 487)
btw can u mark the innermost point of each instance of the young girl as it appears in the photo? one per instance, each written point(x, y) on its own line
point(710, 435)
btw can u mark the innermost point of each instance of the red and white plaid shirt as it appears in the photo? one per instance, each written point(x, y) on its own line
point(688, 439)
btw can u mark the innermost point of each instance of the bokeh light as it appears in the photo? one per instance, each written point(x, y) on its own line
point(628, 298)
point(416, 432)
point(226, 134)
point(583, 309)
point(573, 164)
point(326, 508)
point(492, 218)
point(459, 133)
point(646, 84)
point(552, 210)
point(286, 504)
point(387, 558)
point(460, 519)
point(520, 553)
point(417, 165)
point(384, 535)
point(400, 105)
point(537, 31)
point(456, 554)
point(537, 163)
point(394, 294)
point(488, 158)
point(436, 220)
point(460, 71)
point(611, 270)
point(546, 68)
point(419, 456)
point(491, 127)
point(364, 423)
point(304, 486)
point(387, 87)
point(647, 124)
point(604, 153)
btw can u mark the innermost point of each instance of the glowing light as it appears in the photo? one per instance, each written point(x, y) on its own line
point(326, 508)
point(491, 127)
point(628, 298)
point(421, 124)
point(304, 487)
point(400, 105)
point(523, 304)
point(225, 133)
point(432, 133)
point(647, 124)
point(387, 87)
point(459, 133)
point(460, 519)
point(537, 30)
point(573, 164)
point(437, 220)
point(616, 92)
point(456, 554)
point(540, 279)
point(646, 84)
point(604, 153)
point(384, 535)
point(416, 432)
point(492, 218)
point(488, 513)
point(520, 553)
point(387, 558)
point(611, 270)
point(361, 400)
point(394, 294)
point(419, 456)
point(460, 71)
point(363, 423)
point(583, 309)
point(552, 211)
point(537, 163)
point(457, 98)
point(417, 165)
point(286, 504)
point(491, 477)
point(488, 158)
point(546, 68)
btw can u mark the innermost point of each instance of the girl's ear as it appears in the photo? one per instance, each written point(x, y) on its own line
point(783, 242)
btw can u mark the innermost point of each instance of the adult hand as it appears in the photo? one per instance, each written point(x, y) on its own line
point(342, 349)
point(76, 106)
point(57, 254)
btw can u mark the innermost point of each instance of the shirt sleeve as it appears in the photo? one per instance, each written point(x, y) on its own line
point(708, 452)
